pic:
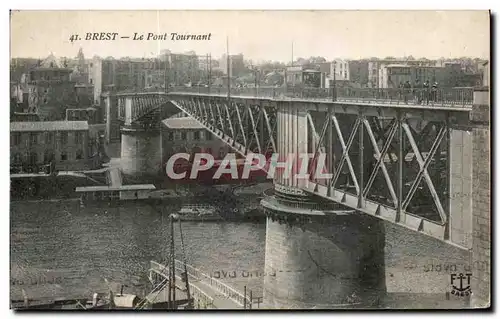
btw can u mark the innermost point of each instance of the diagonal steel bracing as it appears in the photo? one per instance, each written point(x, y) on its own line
point(318, 144)
point(423, 169)
point(380, 162)
point(345, 153)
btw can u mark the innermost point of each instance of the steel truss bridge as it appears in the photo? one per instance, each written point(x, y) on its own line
point(399, 155)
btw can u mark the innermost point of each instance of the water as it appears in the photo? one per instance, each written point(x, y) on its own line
point(67, 250)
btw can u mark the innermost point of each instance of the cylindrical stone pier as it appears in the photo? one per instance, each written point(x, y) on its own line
point(317, 260)
point(141, 151)
point(318, 254)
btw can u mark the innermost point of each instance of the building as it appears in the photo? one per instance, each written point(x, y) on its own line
point(20, 66)
point(84, 95)
point(125, 75)
point(50, 90)
point(184, 68)
point(485, 73)
point(24, 117)
point(237, 66)
point(449, 75)
point(375, 66)
point(298, 76)
point(90, 115)
point(81, 69)
point(393, 75)
point(184, 135)
point(64, 144)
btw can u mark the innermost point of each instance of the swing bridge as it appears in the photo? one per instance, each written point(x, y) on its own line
point(408, 161)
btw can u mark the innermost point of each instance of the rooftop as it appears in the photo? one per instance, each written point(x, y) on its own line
point(49, 126)
point(138, 187)
point(413, 66)
point(182, 123)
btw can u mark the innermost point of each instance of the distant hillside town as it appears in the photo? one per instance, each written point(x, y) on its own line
point(60, 89)
point(81, 81)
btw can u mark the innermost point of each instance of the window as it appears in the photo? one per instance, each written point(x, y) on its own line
point(33, 138)
point(184, 136)
point(197, 135)
point(208, 136)
point(48, 138)
point(170, 136)
point(33, 158)
point(17, 158)
point(64, 156)
point(79, 154)
point(16, 138)
point(64, 137)
point(78, 137)
point(48, 156)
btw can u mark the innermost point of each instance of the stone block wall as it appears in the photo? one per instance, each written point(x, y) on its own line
point(481, 172)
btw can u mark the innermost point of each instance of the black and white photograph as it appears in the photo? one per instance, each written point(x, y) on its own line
point(184, 160)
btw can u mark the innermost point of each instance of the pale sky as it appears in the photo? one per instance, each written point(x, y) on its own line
point(259, 35)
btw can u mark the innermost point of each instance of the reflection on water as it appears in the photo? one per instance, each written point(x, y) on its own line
point(80, 246)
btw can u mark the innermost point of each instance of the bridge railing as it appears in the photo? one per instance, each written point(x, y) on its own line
point(215, 284)
point(453, 97)
point(204, 297)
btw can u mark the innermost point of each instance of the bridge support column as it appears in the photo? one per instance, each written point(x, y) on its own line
point(321, 261)
point(112, 123)
point(141, 151)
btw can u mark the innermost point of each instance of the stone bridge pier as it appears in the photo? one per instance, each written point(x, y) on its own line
point(141, 151)
point(313, 259)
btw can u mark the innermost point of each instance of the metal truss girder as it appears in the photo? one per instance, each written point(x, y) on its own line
point(345, 153)
point(228, 117)
point(254, 128)
point(318, 142)
point(219, 113)
point(410, 221)
point(271, 131)
point(226, 139)
point(423, 170)
point(240, 125)
point(380, 162)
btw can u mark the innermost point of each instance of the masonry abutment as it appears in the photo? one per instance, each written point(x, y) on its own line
point(481, 220)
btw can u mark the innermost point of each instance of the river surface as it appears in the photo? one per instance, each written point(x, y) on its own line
point(60, 249)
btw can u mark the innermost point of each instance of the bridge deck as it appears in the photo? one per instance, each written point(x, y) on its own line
point(341, 100)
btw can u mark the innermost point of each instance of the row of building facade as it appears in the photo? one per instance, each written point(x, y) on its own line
point(386, 73)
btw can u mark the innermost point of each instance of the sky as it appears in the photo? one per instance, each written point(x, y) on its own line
point(259, 35)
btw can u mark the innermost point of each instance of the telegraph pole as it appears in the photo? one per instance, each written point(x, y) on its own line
point(228, 73)
point(210, 72)
point(334, 84)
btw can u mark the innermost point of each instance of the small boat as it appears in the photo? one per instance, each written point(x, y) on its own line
point(53, 304)
point(115, 193)
point(199, 212)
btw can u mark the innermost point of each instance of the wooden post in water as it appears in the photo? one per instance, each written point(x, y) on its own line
point(251, 299)
point(245, 297)
point(173, 256)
